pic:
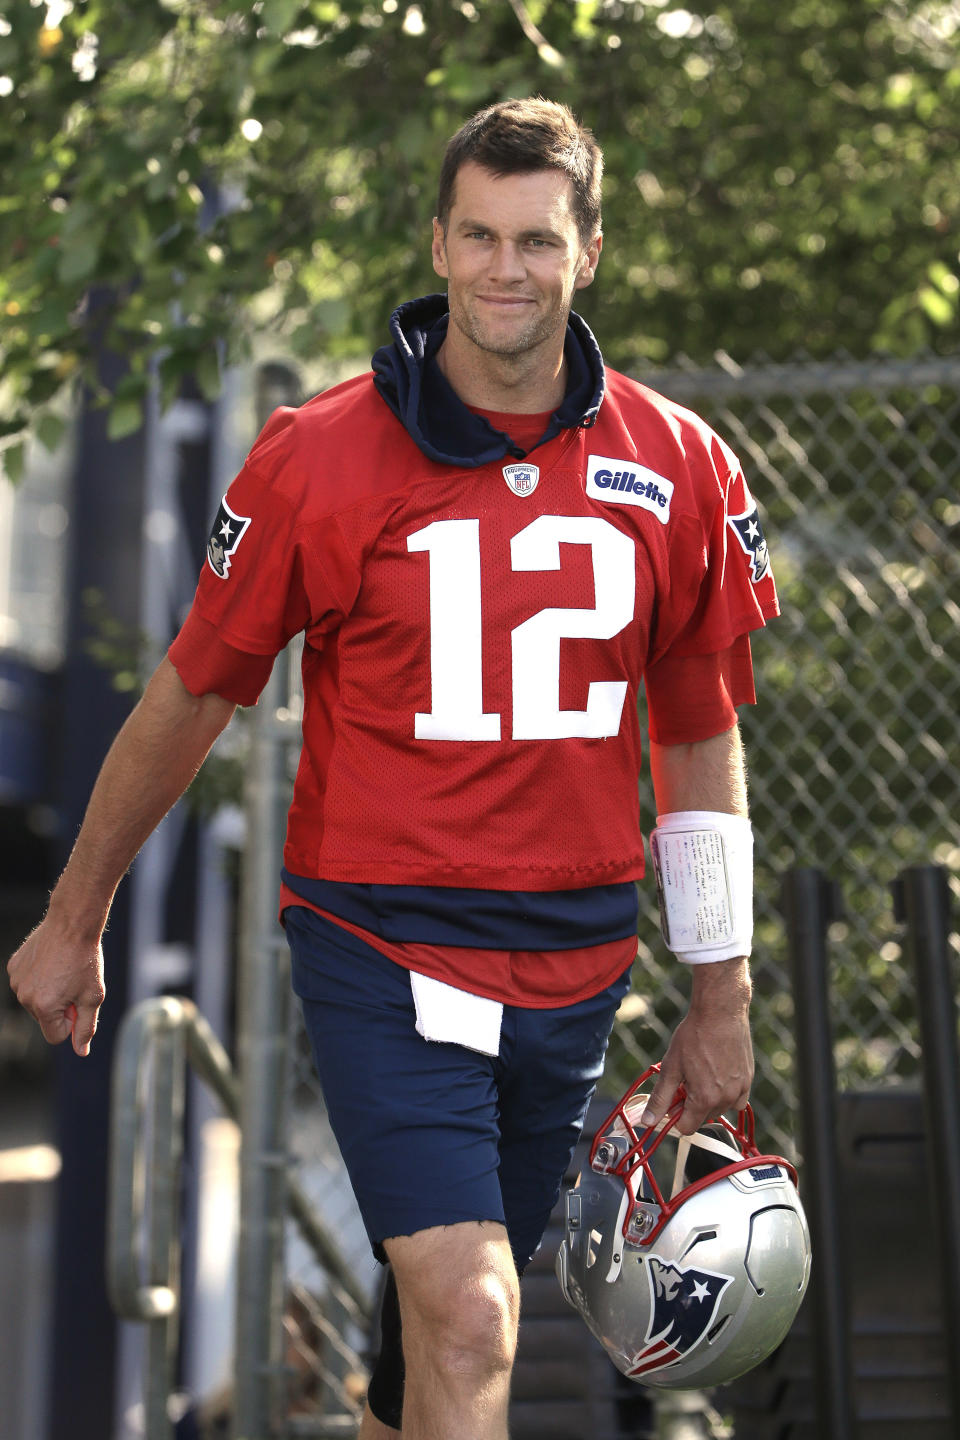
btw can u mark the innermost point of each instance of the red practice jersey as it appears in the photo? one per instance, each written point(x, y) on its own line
point(475, 638)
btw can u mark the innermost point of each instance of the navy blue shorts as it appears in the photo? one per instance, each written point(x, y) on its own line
point(432, 1133)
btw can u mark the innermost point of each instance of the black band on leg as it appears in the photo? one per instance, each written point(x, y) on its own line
point(385, 1392)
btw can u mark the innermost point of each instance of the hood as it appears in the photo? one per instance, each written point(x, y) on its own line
point(411, 382)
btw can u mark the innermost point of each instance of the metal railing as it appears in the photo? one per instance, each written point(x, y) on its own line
point(158, 1039)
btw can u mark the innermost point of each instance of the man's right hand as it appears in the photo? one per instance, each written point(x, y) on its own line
point(59, 981)
point(57, 974)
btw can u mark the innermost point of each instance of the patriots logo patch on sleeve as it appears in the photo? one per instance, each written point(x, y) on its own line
point(684, 1307)
point(749, 533)
point(227, 532)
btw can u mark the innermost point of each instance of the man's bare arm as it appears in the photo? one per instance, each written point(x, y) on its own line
point(154, 757)
point(711, 1052)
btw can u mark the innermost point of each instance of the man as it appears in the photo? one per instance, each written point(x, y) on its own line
point(488, 542)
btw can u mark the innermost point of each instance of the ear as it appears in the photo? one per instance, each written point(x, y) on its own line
point(588, 263)
point(438, 250)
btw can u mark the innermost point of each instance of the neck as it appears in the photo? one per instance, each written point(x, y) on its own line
point(527, 384)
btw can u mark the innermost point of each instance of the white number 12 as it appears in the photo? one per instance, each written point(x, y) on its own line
point(456, 665)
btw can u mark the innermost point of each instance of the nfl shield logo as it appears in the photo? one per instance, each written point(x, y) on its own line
point(523, 478)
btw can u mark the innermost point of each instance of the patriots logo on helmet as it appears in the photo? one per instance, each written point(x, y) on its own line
point(684, 1305)
point(749, 532)
point(227, 532)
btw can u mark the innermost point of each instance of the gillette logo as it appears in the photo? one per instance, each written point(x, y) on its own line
point(627, 480)
point(624, 482)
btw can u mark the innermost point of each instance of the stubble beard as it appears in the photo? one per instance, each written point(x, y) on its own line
point(514, 346)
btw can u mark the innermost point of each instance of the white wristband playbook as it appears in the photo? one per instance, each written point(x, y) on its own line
point(703, 863)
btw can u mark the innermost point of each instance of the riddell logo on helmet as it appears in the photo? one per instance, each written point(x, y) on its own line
point(766, 1172)
point(625, 482)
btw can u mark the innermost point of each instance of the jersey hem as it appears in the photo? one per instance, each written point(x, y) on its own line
point(470, 877)
point(417, 958)
point(505, 997)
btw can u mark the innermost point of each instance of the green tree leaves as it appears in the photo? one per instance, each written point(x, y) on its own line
point(779, 178)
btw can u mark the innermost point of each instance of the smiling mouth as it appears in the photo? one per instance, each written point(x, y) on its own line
point(506, 302)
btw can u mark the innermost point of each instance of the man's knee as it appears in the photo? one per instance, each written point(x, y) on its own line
point(460, 1301)
point(473, 1328)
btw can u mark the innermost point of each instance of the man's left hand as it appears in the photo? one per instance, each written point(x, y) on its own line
point(711, 1052)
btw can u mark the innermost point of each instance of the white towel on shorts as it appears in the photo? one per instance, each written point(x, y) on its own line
point(455, 1016)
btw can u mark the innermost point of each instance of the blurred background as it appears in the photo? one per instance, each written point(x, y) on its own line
point(209, 209)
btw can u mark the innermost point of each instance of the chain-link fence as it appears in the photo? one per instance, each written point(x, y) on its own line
point(853, 753)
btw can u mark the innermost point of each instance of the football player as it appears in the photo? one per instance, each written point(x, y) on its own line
point(489, 542)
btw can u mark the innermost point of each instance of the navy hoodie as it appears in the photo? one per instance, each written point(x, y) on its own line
point(408, 377)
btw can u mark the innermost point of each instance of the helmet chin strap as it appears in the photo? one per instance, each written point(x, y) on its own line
point(704, 1142)
point(616, 1259)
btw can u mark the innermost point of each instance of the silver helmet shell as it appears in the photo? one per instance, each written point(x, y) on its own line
point(688, 1284)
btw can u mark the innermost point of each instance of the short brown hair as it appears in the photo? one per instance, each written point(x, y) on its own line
point(517, 137)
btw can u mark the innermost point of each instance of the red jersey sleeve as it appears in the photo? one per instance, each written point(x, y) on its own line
point(721, 580)
point(269, 574)
point(691, 698)
point(207, 665)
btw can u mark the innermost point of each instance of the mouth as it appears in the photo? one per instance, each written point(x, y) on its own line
point(505, 302)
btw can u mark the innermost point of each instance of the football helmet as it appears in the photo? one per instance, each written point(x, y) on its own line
point(686, 1255)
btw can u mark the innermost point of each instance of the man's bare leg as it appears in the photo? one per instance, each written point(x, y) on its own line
point(460, 1302)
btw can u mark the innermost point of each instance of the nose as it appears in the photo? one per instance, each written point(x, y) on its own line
point(507, 264)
